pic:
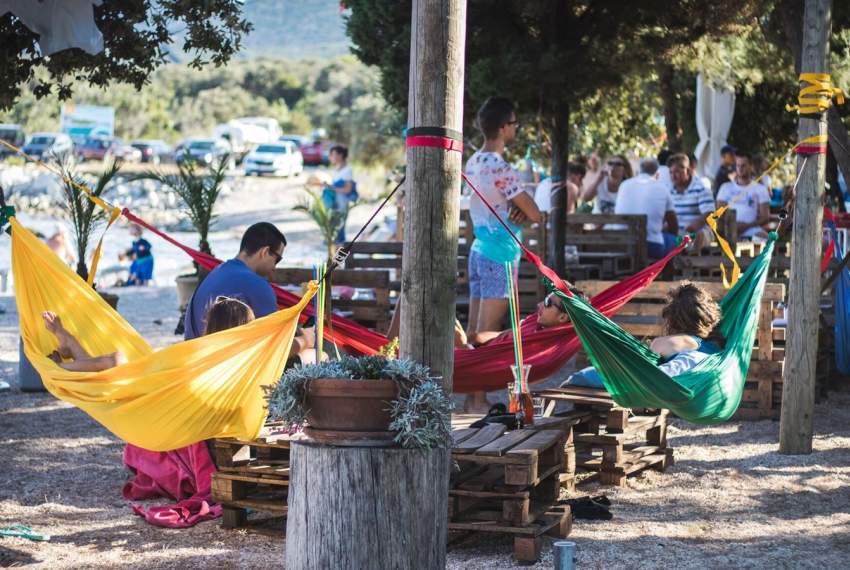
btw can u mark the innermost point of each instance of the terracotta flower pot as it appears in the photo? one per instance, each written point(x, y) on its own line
point(342, 411)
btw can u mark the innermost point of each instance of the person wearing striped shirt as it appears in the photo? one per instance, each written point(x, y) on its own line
point(692, 201)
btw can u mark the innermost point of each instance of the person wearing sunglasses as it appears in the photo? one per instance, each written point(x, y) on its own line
point(246, 278)
point(604, 190)
point(550, 313)
point(502, 186)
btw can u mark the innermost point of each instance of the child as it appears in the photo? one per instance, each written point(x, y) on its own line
point(689, 318)
point(141, 270)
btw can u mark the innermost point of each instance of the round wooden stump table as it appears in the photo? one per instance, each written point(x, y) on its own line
point(366, 507)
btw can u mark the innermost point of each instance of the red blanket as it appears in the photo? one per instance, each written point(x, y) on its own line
point(183, 475)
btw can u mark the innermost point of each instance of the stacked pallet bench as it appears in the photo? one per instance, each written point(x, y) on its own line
point(614, 243)
point(374, 313)
point(611, 441)
point(508, 482)
point(762, 397)
point(253, 475)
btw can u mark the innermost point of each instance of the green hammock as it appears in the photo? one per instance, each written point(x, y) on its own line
point(708, 393)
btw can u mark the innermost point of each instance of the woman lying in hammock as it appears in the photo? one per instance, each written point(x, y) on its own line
point(689, 318)
point(224, 313)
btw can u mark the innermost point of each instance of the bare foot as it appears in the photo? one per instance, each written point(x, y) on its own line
point(53, 324)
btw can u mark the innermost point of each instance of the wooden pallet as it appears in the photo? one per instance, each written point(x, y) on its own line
point(528, 539)
point(510, 482)
point(612, 441)
point(253, 477)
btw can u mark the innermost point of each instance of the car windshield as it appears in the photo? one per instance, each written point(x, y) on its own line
point(42, 140)
point(201, 145)
point(271, 148)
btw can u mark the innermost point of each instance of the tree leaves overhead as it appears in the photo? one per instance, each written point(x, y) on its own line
point(136, 36)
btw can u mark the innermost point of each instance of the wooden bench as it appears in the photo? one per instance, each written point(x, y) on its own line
point(641, 317)
point(616, 243)
point(373, 313)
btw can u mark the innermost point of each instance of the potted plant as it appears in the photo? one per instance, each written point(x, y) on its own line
point(199, 193)
point(86, 217)
point(368, 400)
point(329, 220)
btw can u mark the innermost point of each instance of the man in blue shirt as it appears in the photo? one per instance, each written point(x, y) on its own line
point(245, 277)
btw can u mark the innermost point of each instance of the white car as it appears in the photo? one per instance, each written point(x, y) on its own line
point(281, 158)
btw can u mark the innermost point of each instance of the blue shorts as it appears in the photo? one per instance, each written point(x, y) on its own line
point(487, 279)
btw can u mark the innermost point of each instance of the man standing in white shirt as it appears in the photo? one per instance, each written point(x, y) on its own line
point(644, 194)
point(749, 199)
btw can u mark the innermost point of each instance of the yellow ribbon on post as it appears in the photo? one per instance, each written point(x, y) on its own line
point(817, 95)
point(711, 220)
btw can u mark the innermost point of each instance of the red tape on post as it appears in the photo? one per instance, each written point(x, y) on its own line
point(814, 149)
point(435, 142)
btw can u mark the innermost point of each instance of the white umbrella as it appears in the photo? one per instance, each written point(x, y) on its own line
point(715, 109)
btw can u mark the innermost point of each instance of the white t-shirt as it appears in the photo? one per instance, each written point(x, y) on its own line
point(747, 205)
point(605, 199)
point(543, 195)
point(342, 175)
point(645, 195)
point(664, 175)
point(499, 183)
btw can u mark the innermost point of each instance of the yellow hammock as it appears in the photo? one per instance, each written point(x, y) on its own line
point(203, 388)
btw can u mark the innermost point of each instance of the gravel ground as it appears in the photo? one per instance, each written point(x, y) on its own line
point(731, 501)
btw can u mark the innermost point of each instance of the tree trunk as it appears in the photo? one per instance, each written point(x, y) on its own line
point(671, 110)
point(559, 133)
point(357, 507)
point(798, 389)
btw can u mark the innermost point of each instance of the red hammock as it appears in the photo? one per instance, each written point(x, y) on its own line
point(487, 367)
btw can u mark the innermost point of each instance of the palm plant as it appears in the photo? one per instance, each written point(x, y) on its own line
point(198, 192)
point(329, 220)
point(86, 217)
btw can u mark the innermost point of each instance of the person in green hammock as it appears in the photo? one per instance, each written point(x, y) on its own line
point(689, 318)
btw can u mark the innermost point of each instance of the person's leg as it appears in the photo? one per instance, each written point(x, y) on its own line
point(69, 347)
point(343, 203)
point(654, 250)
point(586, 377)
point(96, 363)
point(474, 293)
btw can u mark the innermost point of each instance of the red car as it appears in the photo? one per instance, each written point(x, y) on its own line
point(99, 148)
point(315, 152)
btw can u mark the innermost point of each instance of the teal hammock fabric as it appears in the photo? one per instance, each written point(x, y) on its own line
point(708, 393)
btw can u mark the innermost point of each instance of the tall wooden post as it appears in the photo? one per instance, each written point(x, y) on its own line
point(431, 219)
point(798, 389)
point(431, 209)
point(559, 134)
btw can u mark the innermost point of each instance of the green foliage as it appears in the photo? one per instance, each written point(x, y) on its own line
point(198, 192)
point(421, 416)
point(136, 34)
point(86, 217)
point(329, 220)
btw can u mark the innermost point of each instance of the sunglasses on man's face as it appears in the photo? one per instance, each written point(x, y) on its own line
point(514, 123)
point(615, 163)
point(277, 256)
point(549, 302)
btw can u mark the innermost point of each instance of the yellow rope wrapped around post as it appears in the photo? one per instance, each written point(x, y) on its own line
point(817, 95)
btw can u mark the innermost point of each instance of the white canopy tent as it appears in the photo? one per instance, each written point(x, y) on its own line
point(715, 109)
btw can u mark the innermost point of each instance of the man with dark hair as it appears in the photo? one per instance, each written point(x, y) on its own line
point(726, 168)
point(663, 171)
point(749, 199)
point(500, 184)
point(691, 199)
point(245, 277)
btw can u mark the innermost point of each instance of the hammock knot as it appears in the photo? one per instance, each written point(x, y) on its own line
point(772, 236)
point(816, 94)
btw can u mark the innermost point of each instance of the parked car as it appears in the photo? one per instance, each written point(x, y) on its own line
point(49, 146)
point(12, 134)
point(153, 151)
point(315, 152)
point(101, 148)
point(282, 158)
point(203, 151)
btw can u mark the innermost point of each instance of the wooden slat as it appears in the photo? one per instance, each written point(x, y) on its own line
point(500, 446)
point(533, 446)
point(484, 436)
point(461, 435)
point(774, 292)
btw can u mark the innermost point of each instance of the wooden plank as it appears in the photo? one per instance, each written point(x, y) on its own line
point(484, 436)
point(461, 435)
point(774, 292)
point(248, 479)
point(529, 449)
point(259, 505)
point(500, 446)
